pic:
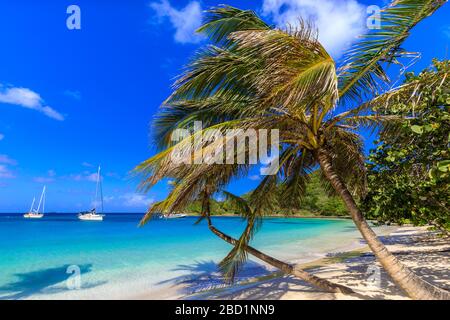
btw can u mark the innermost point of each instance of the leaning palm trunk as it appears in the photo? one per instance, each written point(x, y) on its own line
point(284, 267)
point(415, 287)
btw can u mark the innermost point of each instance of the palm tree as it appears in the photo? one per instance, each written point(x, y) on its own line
point(238, 255)
point(205, 187)
point(259, 77)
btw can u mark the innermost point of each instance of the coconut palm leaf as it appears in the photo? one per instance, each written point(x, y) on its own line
point(221, 21)
point(372, 122)
point(239, 203)
point(346, 150)
point(156, 207)
point(234, 260)
point(210, 111)
point(297, 71)
point(409, 93)
point(296, 178)
point(216, 71)
point(362, 71)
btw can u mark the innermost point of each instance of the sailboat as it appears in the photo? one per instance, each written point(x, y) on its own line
point(173, 216)
point(93, 215)
point(34, 214)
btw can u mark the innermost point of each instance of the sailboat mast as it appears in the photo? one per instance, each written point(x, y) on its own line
point(40, 200)
point(101, 188)
point(32, 204)
point(43, 203)
point(96, 188)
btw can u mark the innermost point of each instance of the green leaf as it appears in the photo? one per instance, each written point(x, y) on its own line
point(417, 129)
point(444, 166)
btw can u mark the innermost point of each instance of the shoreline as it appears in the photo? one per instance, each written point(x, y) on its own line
point(230, 215)
point(350, 267)
point(359, 264)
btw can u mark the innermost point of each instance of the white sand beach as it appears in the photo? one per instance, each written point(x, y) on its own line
point(427, 254)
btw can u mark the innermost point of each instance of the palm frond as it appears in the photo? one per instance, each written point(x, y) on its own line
point(210, 111)
point(362, 72)
point(215, 71)
point(223, 20)
point(347, 157)
point(156, 207)
point(297, 71)
point(372, 122)
point(297, 176)
point(409, 94)
point(236, 258)
point(239, 203)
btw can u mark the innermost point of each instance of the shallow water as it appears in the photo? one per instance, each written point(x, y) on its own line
point(117, 259)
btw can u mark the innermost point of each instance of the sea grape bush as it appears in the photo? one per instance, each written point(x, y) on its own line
point(409, 171)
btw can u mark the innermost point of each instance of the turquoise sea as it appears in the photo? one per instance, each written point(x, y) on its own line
point(117, 259)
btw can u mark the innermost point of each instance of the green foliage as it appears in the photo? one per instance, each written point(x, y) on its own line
point(315, 202)
point(409, 172)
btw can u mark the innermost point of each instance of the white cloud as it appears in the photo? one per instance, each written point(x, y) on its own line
point(85, 176)
point(87, 164)
point(5, 159)
point(136, 200)
point(2, 136)
point(92, 177)
point(28, 99)
point(108, 198)
point(185, 21)
point(5, 173)
point(51, 174)
point(73, 94)
point(112, 174)
point(339, 21)
point(43, 179)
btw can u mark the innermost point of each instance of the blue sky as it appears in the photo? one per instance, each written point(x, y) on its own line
point(73, 99)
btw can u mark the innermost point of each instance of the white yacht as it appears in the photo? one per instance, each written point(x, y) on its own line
point(34, 213)
point(93, 215)
point(90, 215)
point(173, 216)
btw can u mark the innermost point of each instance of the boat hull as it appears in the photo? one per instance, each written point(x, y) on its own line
point(33, 215)
point(174, 216)
point(90, 217)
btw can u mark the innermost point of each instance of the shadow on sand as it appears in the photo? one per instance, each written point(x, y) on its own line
point(427, 257)
point(42, 281)
point(205, 276)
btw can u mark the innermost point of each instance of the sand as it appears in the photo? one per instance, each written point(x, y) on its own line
point(423, 251)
